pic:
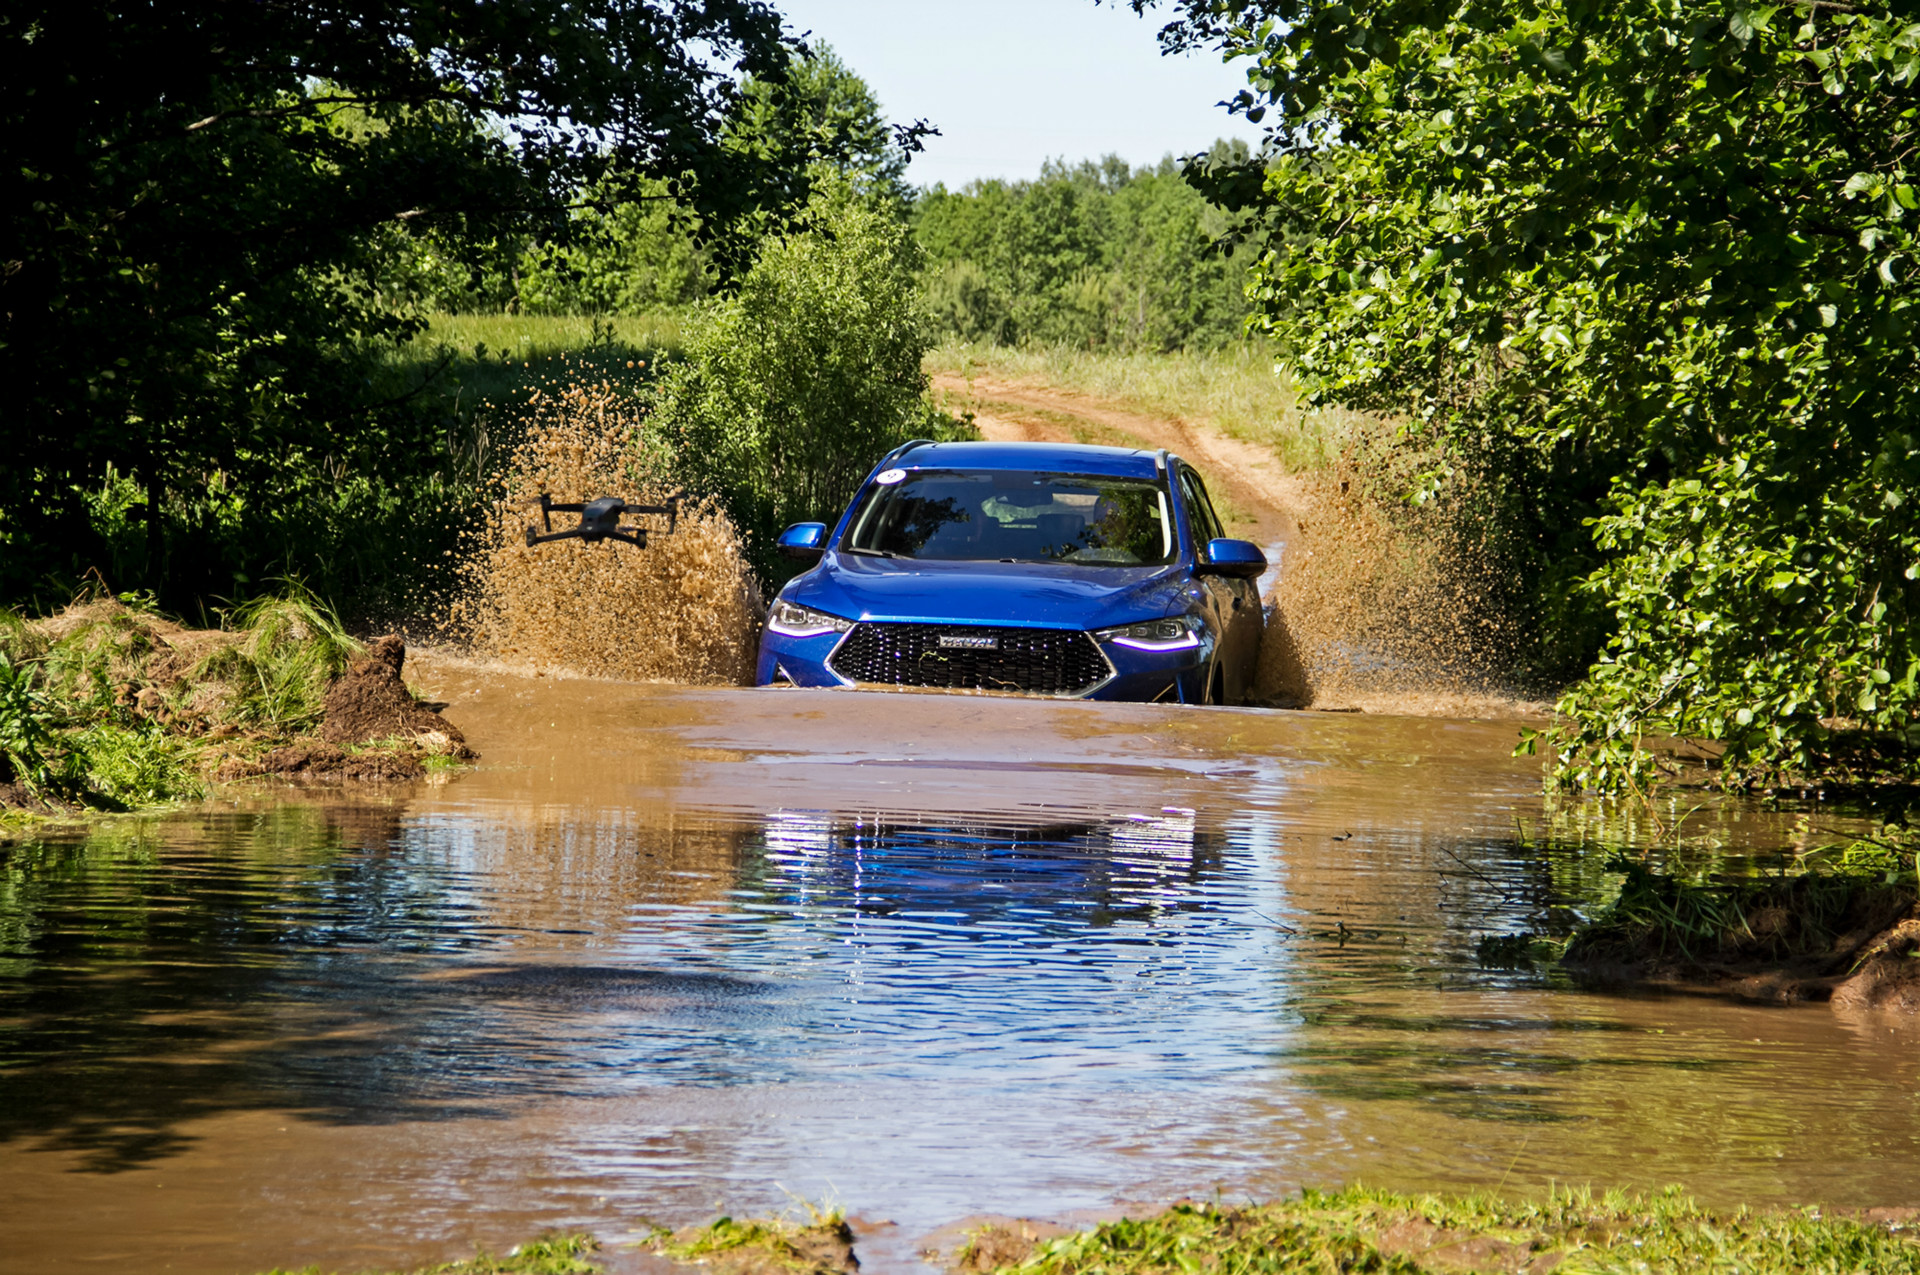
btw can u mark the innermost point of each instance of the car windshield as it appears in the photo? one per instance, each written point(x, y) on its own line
point(957, 515)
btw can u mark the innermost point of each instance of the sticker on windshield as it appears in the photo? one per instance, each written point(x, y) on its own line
point(890, 476)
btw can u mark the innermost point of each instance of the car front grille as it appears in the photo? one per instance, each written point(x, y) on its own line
point(972, 657)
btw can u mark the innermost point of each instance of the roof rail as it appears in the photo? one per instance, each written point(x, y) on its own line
point(903, 449)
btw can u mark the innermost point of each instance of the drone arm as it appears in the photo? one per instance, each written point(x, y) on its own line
point(671, 509)
point(534, 539)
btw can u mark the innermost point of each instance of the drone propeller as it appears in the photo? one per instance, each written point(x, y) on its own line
point(599, 520)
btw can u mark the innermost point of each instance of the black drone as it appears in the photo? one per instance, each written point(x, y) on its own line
point(600, 520)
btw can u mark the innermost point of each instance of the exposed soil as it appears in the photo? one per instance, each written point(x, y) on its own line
point(317, 759)
point(370, 702)
point(991, 1243)
point(1805, 939)
point(17, 796)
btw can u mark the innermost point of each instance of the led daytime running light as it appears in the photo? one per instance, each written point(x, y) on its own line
point(794, 620)
point(1176, 633)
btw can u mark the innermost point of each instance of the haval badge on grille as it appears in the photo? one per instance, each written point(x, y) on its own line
point(970, 641)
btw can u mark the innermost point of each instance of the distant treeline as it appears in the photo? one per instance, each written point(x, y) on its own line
point(1098, 254)
point(1088, 254)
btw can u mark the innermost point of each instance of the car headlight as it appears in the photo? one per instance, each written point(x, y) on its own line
point(1175, 633)
point(795, 620)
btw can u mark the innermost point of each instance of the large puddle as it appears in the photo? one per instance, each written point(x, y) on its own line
point(669, 952)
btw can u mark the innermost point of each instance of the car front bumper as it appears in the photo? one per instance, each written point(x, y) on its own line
point(1142, 676)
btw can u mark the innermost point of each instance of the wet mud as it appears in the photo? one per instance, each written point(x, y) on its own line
point(665, 952)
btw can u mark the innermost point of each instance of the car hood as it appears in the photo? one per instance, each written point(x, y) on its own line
point(1016, 594)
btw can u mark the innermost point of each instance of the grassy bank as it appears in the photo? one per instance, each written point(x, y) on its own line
point(1354, 1230)
point(110, 706)
point(1236, 390)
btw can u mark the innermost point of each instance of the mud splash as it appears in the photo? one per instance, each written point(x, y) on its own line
point(684, 609)
point(1387, 604)
point(1378, 605)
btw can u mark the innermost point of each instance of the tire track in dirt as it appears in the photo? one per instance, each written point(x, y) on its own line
point(1249, 476)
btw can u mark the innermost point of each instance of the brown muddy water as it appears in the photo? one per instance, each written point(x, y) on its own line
point(670, 951)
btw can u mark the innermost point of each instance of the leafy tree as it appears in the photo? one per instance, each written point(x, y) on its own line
point(198, 212)
point(819, 112)
point(794, 384)
point(629, 245)
point(1666, 249)
point(1098, 253)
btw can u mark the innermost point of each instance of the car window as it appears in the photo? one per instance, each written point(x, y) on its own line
point(1205, 525)
point(1015, 516)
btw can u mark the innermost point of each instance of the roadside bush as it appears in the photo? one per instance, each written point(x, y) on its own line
point(28, 745)
point(810, 372)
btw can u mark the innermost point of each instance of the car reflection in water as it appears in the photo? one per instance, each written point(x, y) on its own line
point(1138, 867)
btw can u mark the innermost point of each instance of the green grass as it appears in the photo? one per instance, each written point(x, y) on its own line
point(537, 336)
point(1360, 1230)
point(553, 1255)
point(480, 368)
point(1236, 390)
point(1355, 1231)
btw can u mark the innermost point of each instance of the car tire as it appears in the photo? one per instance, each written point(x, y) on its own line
point(1212, 697)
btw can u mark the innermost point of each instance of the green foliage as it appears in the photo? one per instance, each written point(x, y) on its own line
point(818, 120)
point(125, 765)
point(794, 385)
point(631, 244)
point(201, 281)
point(28, 718)
point(1652, 263)
point(630, 250)
point(1096, 254)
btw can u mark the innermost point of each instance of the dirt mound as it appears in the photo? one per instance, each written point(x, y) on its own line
point(315, 759)
point(370, 702)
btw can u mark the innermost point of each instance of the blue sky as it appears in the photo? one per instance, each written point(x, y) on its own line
point(1010, 83)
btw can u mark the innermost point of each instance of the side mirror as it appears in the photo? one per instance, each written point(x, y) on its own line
point(1240, 559)
point(805, 541)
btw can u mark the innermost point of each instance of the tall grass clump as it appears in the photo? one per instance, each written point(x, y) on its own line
point(110, 704)
point(289, 648)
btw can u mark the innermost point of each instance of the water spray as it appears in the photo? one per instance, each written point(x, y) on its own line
point(599, 520)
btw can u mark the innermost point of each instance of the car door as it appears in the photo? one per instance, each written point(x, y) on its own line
point(1236, 603)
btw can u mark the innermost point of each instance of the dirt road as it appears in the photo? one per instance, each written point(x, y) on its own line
point(1266, 499)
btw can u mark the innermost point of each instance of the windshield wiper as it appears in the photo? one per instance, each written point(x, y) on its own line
point(872, 553)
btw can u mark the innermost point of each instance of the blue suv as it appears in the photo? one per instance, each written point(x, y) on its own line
point(1031, 568)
